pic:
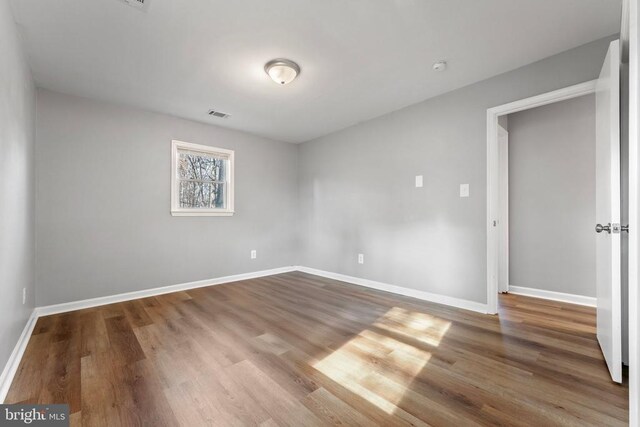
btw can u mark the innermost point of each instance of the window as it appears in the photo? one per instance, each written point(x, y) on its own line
point(201, 180)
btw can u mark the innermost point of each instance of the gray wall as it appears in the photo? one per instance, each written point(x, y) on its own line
point(103, 211)
point(504, 122)
point(552, 182)
point(357, 192)
point(103, 190)
point(17, 114)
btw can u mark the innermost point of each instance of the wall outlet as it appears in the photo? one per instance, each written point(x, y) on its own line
point(464, 190)
point(254, 254)
point(419, 181)
point(360, 258)
point(24, 296)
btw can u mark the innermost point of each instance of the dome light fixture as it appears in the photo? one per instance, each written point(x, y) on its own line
point(282, 71)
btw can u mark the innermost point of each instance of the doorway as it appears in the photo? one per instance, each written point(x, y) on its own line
point(498, 187)
point(547, 196)
point(607, 206)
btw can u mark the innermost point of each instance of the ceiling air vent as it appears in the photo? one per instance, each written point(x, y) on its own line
point(138, 4)
point(219, 114)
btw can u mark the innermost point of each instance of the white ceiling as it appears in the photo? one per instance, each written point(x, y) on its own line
point(359, 58)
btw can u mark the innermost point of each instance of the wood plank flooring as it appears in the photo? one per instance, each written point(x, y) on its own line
point(300, 350)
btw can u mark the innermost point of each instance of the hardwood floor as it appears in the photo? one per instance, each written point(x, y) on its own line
point(298, 350)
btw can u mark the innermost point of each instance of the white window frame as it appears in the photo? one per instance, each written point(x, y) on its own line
point(176, 210)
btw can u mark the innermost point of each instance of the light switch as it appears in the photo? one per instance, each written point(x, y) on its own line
point(464, 190)
point(418, 181)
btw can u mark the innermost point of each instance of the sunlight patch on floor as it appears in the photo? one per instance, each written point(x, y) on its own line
point(419, 326)
point(380, 363)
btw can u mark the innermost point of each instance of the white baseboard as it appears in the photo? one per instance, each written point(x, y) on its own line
point(128, 296)
point(554, 296)
point(111, 299)
point(426, 296)
point(10, 369)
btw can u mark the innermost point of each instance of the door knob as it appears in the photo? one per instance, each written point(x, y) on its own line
point(600, 228)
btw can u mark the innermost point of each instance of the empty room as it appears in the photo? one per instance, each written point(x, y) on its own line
point(314, 213)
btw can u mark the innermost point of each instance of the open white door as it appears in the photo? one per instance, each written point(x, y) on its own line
point(608, 211)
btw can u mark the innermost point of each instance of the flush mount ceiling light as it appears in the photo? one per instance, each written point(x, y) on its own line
point(282, 71)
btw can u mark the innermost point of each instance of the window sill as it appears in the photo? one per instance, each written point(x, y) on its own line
point(205, 213)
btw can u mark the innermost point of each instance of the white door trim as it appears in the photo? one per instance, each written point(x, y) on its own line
point(503, 219)
point(493, 171)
